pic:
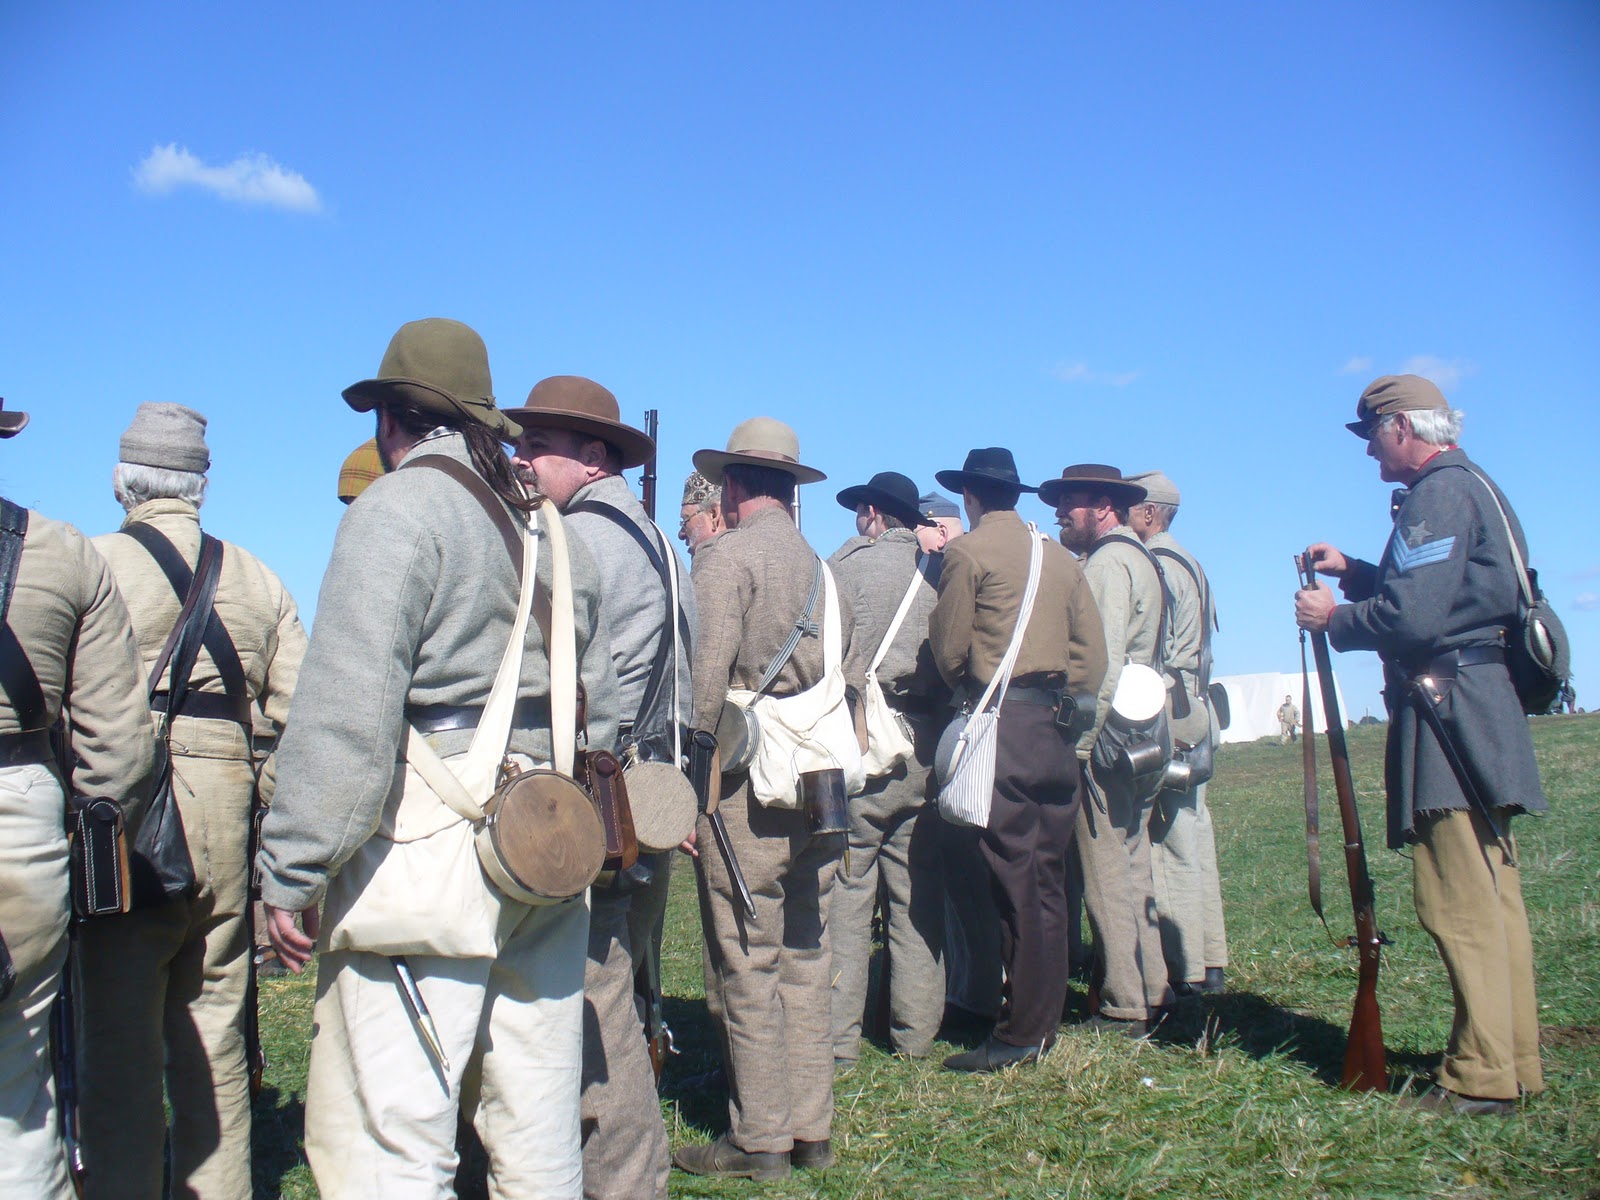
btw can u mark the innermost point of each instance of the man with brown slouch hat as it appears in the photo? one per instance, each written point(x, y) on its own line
point(416, 617)
point(767, 976)
point(573, 449)
point(1035, 800)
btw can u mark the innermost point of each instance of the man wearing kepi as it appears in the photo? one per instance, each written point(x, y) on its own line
point(893, 829)
point(66, 643)
point(1035, 801)
point(574, 448)
point(1091, 503)
point(166, 988)
point(1437, 608)
point(438, 991)
point(774, 633)
point(1183, 850)
point(700, 514)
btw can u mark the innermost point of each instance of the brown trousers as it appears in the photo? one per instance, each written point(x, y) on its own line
point(1030, 831)
point(1470, 899)
point(768, 979)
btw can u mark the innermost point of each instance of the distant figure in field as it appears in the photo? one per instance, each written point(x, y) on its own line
point(1288, 721)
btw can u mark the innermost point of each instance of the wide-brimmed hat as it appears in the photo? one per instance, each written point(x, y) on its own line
point(442, 367)
point(890, 492)
point(11, 423)
point(360, 467)
point(993, 464)
point(1095, 478)
point(582, 405)
point(1389, 394)
point(758, 442)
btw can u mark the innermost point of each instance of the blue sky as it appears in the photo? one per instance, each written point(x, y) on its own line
point(1170, 235)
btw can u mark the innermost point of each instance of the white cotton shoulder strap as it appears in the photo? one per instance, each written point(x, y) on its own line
point(917, 576)
point(1002, 677)
point(1516, 555)
point(476, 774)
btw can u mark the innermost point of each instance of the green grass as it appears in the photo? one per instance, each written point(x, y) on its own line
point(1240, 1099)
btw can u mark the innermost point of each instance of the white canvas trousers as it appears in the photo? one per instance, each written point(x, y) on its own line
point(381, 1114)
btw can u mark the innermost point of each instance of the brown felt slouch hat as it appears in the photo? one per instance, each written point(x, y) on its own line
point(758, 442)
point(442, 367)
point(1389, 394)
point(1096, 478)
point(583, 406)
point(11, 423)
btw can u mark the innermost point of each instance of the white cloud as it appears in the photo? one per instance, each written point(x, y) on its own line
point(1587, 602)
point(248, 179)
point(1447, 373)
point(1080, 373)
point(1359, 365)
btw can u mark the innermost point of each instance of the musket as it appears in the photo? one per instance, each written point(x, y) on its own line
point(1308, 771)
point(647, 481)
point(255, 1056)
point(1365, 1067)
point(64, 1066)
point(705, 775)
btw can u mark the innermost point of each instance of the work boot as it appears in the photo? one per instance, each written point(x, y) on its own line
point(812, 1156)
point(1442, 1100)
point(993, 1055)
point(1214, 980)
point(722, 1157)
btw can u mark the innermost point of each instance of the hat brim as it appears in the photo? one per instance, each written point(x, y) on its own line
point(1051, 490)
point(369, 393)
point(710, 463)
point(864, 493)
point(12, 423)
point(635, 446)
point(956, 481)
point(1362, 429)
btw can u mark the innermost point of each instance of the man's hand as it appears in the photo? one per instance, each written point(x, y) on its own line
point(688, 845)
point(1314, 605)
point(294, 947)
point(1325, 560)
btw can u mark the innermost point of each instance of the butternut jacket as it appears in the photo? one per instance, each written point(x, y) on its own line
point(72, 624)
point(980, 596)
point(750, 586)
point(1187, 627)
point(1127, 591)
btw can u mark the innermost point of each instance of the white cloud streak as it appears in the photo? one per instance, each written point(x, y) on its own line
point(1587, 602)
point(1080, 373)
point(1359, 365)
point(1447, 373)
point(252, 179)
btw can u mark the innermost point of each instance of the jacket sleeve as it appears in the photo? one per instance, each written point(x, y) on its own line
point(950, 623)
point(283, 672)
point(1360, 580)
point(596, 668)
point(1086, 640)
point(723, 591)
point(1435, 533)
point(1112, 587)
point(112, 738)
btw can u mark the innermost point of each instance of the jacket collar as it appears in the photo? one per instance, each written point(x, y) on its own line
point(181, 509)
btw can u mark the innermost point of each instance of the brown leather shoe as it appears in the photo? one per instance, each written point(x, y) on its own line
point(1442, 1100)
point(722, 1157)
point(812, 1156)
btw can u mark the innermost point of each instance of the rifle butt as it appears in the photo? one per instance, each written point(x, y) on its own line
point(1366, 1068)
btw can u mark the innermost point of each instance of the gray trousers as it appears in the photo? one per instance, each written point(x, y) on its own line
point(894, 853)
point(1119, 892)
point(768, 979)
point(1183, 861)
point(624, 1140)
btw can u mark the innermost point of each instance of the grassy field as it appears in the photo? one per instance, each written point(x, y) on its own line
point(1239, 1097)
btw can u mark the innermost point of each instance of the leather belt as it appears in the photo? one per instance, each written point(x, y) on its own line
point(209, 706)
point(1451, 661)
point(532, 712)
point(30, 746)
point(1043, 697)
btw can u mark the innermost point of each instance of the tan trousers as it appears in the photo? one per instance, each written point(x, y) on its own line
point(1470, 899)
point(1119, 892)
point(1183, 864)
point(381, 1113)
point(624, 1141)
point(893, 851)
point(162, 997)
point(767, 980)
point(33, 920)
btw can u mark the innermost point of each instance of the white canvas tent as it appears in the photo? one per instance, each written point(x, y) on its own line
point(1253, 702)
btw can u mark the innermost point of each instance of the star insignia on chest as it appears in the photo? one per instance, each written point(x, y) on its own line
point(1417, 534)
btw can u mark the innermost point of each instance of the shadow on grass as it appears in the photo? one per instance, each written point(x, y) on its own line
point(1262, 1028)
point(279, 1122)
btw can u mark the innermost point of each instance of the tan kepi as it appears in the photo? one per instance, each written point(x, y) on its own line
point(758, 442)
point(454, 857)
point(810, 731)
point(1390, 394)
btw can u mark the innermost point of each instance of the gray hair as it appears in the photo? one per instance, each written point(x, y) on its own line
point(134, 484)
point(1166, 514)
point(1435, 426)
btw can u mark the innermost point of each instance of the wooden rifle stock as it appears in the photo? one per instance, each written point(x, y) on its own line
point(1365, 1067)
